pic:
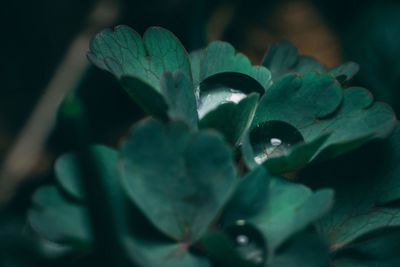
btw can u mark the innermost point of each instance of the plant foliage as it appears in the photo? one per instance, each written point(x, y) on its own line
point(205, 181)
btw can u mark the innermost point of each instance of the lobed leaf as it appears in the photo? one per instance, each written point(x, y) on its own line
point(58, 219)
point(316, 106)
point(191, 174)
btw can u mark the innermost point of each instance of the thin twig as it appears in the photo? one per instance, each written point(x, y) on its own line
point(30, 143)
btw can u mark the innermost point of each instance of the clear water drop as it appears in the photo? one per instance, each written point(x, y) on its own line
point(249, 243)
point(276, 141)
point(272, 139)
point(240, 222)
point(212, 99)
point(260, 158)
point(242, 240)
point(224, 87)
point(235, 96)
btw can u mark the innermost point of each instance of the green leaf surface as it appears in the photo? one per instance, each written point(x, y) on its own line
point(145, 96)
point(191, 174)
point(316, 105)
point(345, 72)
point(366, 182)
point(69, 176)
point(291, 207)
point(295, 158)
point(304, 250)
point(146, 253)
point(236, 246)
point(179, 94)
point(123, 52)
point(365, 187)
point(219, 57)
point(195, 62)
point(283, 58)
point(382, 249)
point(231, 119)
point(250, 197)
point(58, 219)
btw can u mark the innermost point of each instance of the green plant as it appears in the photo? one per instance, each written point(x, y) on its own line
point(203, 182)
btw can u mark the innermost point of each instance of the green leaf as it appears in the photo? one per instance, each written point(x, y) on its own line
point(316, 105)
point(68, 173)
point(304, 250)
point(381, 249)
point(295, 158)
point(232, 119)
point(227, 102)
point(58, 219)
point(236, 246)
point(250, 197)
point(140, 63)
point(219, 57)
point(366, 182)
point(283, 58)
point(179, 179)
point(145, 253)
point(145, 96)
point(300, 101)
point(195, 62)
point(179, 94)
point(345, 72)
point(291, 207)
point(124, 53)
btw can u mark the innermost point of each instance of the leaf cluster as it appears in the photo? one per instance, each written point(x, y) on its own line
point(204, 181)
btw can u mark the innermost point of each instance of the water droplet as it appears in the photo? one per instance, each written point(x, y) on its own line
point(213, 98)
point(276, 141)
point(235, 97)
point(249, 243)
point(240, 222)
point(272, 139)
point(222, 88)
point(242, 239)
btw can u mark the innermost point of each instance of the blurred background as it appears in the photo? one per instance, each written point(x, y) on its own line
point(43, 47)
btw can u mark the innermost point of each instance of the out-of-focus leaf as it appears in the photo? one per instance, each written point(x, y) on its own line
point(367, 185)
point(58, 219)
point(304, 250)
point(145, 253)
point(250, 197)
point(191, 174)
point(345, 72)
point(237, 246)
point(283, 58)
point(290, 208)
point(70, 178)
point(372, 40)
point(381, 249)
